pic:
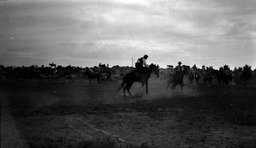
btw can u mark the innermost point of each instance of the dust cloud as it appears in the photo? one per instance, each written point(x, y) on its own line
point(74, 93)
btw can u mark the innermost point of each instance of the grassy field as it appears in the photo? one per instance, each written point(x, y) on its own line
point(73, 113)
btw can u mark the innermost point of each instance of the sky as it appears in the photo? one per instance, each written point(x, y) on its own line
point(89, 32)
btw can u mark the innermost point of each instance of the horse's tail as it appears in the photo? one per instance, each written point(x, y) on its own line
point(122, 85)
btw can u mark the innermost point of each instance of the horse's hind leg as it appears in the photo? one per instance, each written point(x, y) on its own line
point(98, 79)
point(173, 87)
point(146, 87)
point(128, 86)
point(129, 92)
point(124, 91)
point(125, 88)
point(167, 86)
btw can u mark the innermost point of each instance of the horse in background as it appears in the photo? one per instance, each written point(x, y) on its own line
point(141, 77)
point(208, 76)
point(105, 75)
point(226, 78)
point(223, 77)
point(191, 77)
point(92, 75)
point(197, 77)
point(177, 79)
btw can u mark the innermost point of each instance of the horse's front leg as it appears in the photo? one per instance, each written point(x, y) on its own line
point(146, 87)
point(167, 86)
point(173, 87)
point(124, 91)
point(181, 87)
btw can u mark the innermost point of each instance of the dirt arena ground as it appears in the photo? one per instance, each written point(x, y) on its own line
point(73, 113)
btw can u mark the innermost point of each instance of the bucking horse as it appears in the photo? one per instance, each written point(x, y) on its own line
point(141, 77)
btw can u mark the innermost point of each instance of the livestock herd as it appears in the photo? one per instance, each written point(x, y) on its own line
point(223, 76)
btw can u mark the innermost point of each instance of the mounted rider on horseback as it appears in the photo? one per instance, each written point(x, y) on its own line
point(177, 78)
point(179, 68)
point(141, 64)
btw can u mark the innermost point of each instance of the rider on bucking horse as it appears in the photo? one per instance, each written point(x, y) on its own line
point(141, 64)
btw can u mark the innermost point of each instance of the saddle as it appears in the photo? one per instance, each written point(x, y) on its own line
point(142, 70)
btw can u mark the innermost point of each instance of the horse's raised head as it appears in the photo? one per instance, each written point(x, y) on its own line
point(154, 68)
